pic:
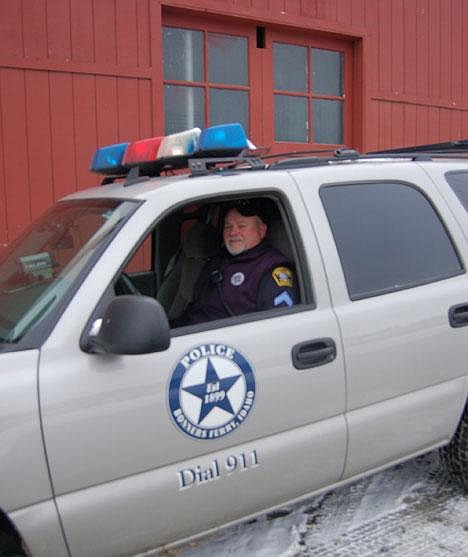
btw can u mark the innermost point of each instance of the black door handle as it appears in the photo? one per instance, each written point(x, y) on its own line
point(313, 353)
point(458, 315)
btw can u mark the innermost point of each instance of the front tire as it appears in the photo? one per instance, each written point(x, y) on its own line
point(455, 454)
point(9, 546)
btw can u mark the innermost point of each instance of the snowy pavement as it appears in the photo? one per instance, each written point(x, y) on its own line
point(408, 510)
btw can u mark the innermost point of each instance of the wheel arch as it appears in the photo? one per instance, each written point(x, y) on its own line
point(9, 535)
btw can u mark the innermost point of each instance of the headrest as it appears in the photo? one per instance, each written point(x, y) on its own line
point(278, 238)
point(201, 241)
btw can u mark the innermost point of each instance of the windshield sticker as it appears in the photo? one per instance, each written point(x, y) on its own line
point(39, 265)
point(211, 392)
point(107, 214)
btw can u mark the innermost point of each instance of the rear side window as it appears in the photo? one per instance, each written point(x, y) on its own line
point(458, 181)
point(388, 236)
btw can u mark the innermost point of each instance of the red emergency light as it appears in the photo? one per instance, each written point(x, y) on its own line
point(142, 151)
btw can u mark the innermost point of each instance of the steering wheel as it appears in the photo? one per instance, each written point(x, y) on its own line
point(124, 285)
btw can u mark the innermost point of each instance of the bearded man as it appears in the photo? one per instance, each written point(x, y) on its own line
point(248, 276)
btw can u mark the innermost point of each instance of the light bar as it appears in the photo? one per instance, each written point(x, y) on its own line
point(179, 144)
point(157, 154)
point(108, 159)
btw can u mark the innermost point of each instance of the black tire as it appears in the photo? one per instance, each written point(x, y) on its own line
point(455, 455)
point(9, 546)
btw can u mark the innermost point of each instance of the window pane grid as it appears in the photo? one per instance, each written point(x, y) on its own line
point(327, 95)
point(326, 72)
point(220, 54)
point(291, 67)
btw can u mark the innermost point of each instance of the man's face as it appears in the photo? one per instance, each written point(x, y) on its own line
point(242, 233)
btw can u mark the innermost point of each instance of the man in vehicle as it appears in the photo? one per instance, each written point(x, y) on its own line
point(249, 275)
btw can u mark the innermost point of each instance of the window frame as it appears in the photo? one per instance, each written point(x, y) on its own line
point(261, 75)
point(304, 280)
point(375, 293)
point(244, 30)
point(447, 175)
point(40, 331)
point(303, 39)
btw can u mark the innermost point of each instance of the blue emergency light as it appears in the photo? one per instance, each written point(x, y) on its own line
point(108, 160)
point(156, 154)
point(225, 139)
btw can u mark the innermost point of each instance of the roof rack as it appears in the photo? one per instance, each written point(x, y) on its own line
point(298, 160)
point(143, 171)
point(205, 165)
point(225, 148)
point(450, 147)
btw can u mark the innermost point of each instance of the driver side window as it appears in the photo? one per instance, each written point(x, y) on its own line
point(184, 261)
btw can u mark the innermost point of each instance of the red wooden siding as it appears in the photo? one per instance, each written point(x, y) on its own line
point(80, 73)
point(73, 75)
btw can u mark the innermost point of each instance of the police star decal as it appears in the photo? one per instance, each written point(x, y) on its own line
point(211, 391)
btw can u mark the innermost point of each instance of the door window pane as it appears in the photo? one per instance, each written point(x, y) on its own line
point(327, 118)
point(184, 108)
point(323, 90)
point(218, 66)
point(183, 54)
point(291, 119)
point(458, 181)
point(227, 59)
point(291, 69)
point(229, 106)
point(327, 72)
point(388, 237)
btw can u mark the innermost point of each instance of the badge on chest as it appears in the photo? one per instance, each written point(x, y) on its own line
point(237, 279)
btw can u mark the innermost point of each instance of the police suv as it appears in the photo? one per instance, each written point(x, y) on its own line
point(123, 432)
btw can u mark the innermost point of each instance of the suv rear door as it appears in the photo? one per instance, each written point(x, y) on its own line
point(388, 241)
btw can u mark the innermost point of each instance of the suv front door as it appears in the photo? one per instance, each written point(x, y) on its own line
point(129, 471)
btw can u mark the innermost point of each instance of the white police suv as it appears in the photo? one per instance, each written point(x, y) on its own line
point(122, 431)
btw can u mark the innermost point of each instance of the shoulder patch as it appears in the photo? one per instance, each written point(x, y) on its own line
point(282, 276)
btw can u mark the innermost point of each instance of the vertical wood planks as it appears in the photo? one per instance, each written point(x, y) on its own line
point(38, 161)
point(62, 134)
point(15, 151)
point(11, 29)
point(84, 116)
point(81, 73)
point(105, 32)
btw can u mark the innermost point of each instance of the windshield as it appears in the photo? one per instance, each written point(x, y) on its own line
point(38, 269)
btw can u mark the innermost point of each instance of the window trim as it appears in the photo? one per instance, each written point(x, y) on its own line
point(305, 282)
point(382, 292)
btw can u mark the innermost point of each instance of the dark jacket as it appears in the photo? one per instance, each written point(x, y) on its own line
point(257, 279)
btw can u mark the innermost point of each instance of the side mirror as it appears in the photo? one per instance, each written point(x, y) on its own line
point(130, 325)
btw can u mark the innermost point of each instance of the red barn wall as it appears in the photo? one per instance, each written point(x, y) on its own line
point(83, 73)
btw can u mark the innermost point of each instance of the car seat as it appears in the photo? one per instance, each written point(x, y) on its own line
point(177, 289)
point(278, 238)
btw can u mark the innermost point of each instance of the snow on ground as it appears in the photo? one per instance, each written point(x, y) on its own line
point(408, 510)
